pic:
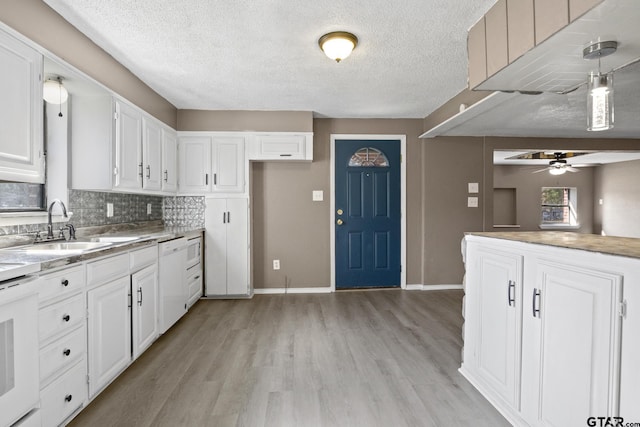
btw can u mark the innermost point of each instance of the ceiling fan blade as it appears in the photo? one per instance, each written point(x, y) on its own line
point(572, 169)
point(541, 170)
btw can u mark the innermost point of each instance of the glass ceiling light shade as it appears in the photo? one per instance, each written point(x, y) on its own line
point(338, 45)
point(557, 170)
point(54, 92)
point(600, 88)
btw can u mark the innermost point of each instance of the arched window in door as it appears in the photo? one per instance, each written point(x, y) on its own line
point(369, 157)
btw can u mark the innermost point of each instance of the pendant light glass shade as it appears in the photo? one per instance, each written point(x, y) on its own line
point(338, 45)
point(54, 92)
point(600, 102)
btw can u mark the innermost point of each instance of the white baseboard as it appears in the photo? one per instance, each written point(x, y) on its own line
point(271, 291)
point(432, 287)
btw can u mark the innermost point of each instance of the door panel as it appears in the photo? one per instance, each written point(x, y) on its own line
point(368, 229)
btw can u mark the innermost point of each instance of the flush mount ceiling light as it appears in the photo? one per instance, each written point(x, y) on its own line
point(600, 88)
point(54, 92)
point(338, 44)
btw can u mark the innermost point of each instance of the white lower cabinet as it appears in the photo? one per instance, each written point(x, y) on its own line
point(227, 247)
point(109, 325)
point(542, 334)
point(144, 291)
point(63, 344)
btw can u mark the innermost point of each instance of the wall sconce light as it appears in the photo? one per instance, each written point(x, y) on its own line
point(600, 89)
point(338, 45)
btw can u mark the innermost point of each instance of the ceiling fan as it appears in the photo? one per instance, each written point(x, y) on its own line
point(559, 165)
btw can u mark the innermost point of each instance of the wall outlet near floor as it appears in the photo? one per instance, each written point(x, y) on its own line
point(109, 210)
point(148, 208)
point(276, 264)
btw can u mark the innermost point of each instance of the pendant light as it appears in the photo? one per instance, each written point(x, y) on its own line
point(600, 88)
point(338, 44)
point(55, 93)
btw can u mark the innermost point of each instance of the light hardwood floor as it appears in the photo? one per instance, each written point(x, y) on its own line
point(366, 358)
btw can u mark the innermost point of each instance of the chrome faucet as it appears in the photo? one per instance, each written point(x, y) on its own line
point(49, 223)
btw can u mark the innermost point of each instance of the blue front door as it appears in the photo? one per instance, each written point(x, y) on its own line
point(367, 227)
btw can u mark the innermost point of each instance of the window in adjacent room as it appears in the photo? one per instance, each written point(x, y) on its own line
point(558, 207)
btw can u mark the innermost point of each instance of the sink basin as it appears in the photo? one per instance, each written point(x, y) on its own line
point(114, 239)
point(63, 247)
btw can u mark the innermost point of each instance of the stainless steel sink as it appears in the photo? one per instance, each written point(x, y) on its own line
point(61, 247)
point(114, 239)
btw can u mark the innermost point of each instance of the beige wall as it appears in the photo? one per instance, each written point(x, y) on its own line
point(290, 227)
point(618, 186)
point(38, 22)
point(261, 121)
point(529, 184)
point(449, 164)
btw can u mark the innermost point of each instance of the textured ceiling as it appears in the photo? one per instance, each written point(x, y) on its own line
point(263, 54)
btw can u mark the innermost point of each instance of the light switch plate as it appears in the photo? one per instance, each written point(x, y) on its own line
point(148, 208)
point(472, 202)
point(276, 264)
point(318, 195)
point(473, 187)
point(109, 210)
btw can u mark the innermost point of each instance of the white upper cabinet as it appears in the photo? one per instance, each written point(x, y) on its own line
point(128, 144)
point(21, 109)
point(281, 146)
point(228, 164)
point(116, 146)
point(151, 155)
point(169, 161)
point(194, 154)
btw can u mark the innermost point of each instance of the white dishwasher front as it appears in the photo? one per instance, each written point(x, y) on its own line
point(172, 280)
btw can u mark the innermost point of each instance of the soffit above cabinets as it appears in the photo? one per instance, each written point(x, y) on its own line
point(557, 64)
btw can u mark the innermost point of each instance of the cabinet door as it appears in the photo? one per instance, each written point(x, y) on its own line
point(21, 111)
point(216, 246)
point(195, 164)
point(570, 372)
point(109, 331)
point(228, 164)
point(128, 146)
point(237, 247)
point(498, 338)
point(169, 161)
point(144, 290)
point(152, 155)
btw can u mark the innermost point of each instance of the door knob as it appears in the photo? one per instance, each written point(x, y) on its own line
point(339, 222)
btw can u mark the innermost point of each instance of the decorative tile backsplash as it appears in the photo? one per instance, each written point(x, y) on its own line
point(184, 211)
point(90, 208)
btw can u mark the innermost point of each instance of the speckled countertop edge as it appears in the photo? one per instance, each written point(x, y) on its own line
point(620, 246)
point(145, 235)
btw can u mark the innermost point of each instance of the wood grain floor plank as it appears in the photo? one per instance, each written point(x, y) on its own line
point(364, 358)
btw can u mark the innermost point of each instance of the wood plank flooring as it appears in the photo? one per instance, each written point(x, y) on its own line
point(365, 358)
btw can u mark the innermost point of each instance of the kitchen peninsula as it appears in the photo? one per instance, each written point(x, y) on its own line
point(551, 325)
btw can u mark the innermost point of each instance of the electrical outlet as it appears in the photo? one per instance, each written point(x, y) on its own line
point(109, 210)
point(276, 264)
point(472, 202)
point(317, 195)
point(148, 208)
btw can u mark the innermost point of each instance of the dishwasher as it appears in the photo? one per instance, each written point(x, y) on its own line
point(172, 281)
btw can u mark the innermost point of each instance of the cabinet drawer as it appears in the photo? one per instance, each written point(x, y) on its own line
point(61, 353)
point(107, 269)
point(194, 284)
point(143, 257)
point(278, 147)
point(61, 317)
point(62, 397)
point(57, 285)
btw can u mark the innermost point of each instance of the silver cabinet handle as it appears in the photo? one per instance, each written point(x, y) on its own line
point(224, 217)
point(148, 171)
point(206, 179)
point(140, 173)
point(228, 216)
point(511, 297)
point(166, 175)
point(536, 307)
point(140, 298)
point(215, 179)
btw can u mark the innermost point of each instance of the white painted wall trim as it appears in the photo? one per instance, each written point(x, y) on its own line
point(433, 287)
point(403, 201)
point(273, 291)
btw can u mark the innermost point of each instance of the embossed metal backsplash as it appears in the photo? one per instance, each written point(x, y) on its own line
point(184, 211)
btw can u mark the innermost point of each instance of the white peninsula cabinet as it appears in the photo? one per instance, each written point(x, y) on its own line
point(116, 146)
point(21, 140)
point(543, 338)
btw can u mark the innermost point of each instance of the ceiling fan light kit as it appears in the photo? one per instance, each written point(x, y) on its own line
point(338, 45)
point(600, 88)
